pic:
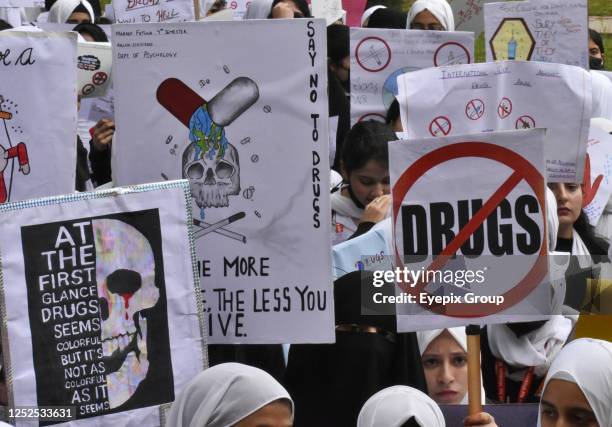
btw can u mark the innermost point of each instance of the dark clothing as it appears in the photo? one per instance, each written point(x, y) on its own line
point(100, 166)
point(268, 357)
point(338, 106)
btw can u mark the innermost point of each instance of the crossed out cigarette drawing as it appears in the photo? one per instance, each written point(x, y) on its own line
point(217, 227)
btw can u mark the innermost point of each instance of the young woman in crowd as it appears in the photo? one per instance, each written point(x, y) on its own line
point(289, 9)
point(71, 12)
point(596, 50)
point(234, 395)
point(578, 386)
point(431, 15)
point(330, 382)
point(364, 198)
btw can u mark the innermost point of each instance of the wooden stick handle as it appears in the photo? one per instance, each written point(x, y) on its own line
point(474, 387)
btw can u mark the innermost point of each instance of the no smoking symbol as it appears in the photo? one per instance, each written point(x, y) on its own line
point(373, 54)
point(88, 88)
point(525, 122)
point(522, 170)
point(505, 108)
point(99, 78)
point(474, 109)
point(440, 126)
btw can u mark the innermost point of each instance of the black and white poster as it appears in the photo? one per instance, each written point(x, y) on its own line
point(98, 308)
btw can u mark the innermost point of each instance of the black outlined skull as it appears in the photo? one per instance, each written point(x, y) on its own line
point(212, 180)
point(125, 275)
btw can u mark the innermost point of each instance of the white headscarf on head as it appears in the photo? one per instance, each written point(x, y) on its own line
point(395, 405)
point(438, 8)
point(62, 9)
point(259, 9)
point(368, 12)
point(587, 363)
point(223, 395)
point(425, 338)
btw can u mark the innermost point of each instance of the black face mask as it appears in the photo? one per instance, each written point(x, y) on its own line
point(595, 63)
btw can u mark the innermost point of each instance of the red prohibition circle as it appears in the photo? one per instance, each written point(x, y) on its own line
point(503, 113)
point(88, 88)
point(522, 168)
point(467, 53)
point(373, 70)
point(437, 125)
point(99, 78)
point(473, 103)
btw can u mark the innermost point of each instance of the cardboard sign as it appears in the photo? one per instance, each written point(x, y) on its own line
point(469, 15)
point(94, 63)
point(470, 248)
point(38, 137)
point(100, 302)
point(150, 11)
point(379, 56)
point(504, 96)
point(598, 174)
point(538, 30)
point(254, 143)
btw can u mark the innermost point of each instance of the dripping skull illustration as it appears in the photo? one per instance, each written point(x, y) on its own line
point(125, 274)
point(209, 161)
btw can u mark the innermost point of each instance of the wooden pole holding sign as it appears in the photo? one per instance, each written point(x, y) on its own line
point(196, 9)
point(473, 351)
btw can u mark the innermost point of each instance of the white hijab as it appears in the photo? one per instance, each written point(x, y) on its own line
point(62, 9)
point(438, 8)
point(223, 395)
point(425, 338)
point(368, 12)
point(395, 405)
point(259, 9)
point(587, 363)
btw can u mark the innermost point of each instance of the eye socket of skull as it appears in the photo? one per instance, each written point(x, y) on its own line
point(195, 171)
point(123, 281)
point(224, 170)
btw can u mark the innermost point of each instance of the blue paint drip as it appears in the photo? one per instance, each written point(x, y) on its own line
point(202, 214)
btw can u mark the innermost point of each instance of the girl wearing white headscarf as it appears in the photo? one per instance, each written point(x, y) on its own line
point(395, 406)
point(587, 364)
point(368, 12)
point(440, 9)
point(451, 388)
point(224, 395)
point(62, 10)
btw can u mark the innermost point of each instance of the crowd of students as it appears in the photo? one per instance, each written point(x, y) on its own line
point(372, 375)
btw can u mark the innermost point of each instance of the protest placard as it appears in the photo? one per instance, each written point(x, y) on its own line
point(538, 30)
point(38, 120)
point(94, 63)
point(150, 11)
point(504, 96)
point(379, 56)
point(597, 186)
point(469, 15)
point(254, 144)
point(100, 299)
point(469, 229)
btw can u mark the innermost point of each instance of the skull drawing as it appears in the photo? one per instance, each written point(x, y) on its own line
point(212, 180)
point(125, 275)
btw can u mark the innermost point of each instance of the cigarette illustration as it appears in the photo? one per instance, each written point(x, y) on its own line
point(220, 224)
point(202, 225)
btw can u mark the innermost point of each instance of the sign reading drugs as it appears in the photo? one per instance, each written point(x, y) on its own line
point(37, 142)
point(538, 30)
point(468, 248)
point(379, 56)
point(254, 145)
point(101, 301)
point(150, 11)
point(505, 95)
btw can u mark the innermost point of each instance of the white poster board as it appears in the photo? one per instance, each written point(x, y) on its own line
point(504, 95)
point(538, 30)
point(38, 129)
point(379, 56)
point(101, 303)
point(19, 3)
point(469, 15)
point(495, 226)
point(238, 7)
point(150, 11)
point(94, 63)
point(597, 186)
point(248, 124)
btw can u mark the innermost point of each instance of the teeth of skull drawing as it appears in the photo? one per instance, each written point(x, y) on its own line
point(212, 180)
